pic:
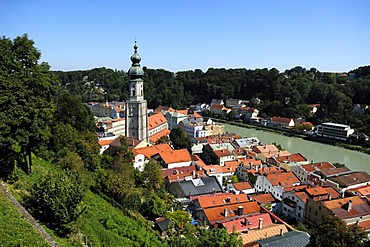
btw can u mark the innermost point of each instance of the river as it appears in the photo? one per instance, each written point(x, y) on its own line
point(317, 152)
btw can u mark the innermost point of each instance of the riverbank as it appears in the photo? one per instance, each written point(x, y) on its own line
point(292, 133)
point(313, 151)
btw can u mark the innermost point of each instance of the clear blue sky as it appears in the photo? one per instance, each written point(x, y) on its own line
point(186, 35)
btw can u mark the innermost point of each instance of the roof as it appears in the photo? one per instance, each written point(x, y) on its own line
point(175, 156)
point(222, 153)
point(317, 166)
point(316, 191)
point(262, 198)
point(178, 170)
point(182, 176)
point(156, 120)
point(285, 179)
point(265, 149)
point(297, 157)
point(163, 108)
point(249, 222)
point(198, 160)
point(242, 185)
point(152, 150)
point(302, 195)
point(365, 225)
point(218, 213)
point(200, 186)
point(281, 120)
point(293, 238)
point(154, 138)
point(221, 199)
point(193, 114)
point(334, 171)
point(338, 206)
point(265, 232)
point(362, 191)
point(352, 179)
point(106, 142)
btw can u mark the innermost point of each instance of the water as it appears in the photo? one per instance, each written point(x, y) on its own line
point(317, 152)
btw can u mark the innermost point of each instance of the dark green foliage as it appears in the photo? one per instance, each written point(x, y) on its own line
point(152, 175)
point(55, 200)
point(334, 232)
point(27, 91)
point(180, 139)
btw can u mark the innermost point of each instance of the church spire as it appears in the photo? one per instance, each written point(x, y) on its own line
point(135, 72)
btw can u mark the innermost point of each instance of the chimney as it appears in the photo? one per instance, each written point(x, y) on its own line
point(194, 174)
point(240, 210)
point(349, 205)
point(329, 196)
point(225, 213)
point(260, 223)
point(281, 232)
point(245, 221)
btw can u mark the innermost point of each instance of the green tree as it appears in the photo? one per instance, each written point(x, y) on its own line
point(27, 91)
point(55, 200)
point(152, 175)
point(335, 232)
point(180, 139)
point(219, 237)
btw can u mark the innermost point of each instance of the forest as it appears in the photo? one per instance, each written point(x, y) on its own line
point(285, 94)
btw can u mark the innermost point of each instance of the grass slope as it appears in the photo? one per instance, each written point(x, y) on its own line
point(102, 223)
point(15, 229)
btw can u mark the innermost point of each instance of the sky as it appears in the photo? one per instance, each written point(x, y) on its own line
point(330, 35)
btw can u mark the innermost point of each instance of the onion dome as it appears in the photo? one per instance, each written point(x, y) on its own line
point(135, 72)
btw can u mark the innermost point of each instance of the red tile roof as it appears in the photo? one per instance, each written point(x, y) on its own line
point(150, 151)
point(222, 199)
point(154, 138)
point(242, 186)
point(285, 179)
point(106, 142)
point(338, 206)
point(178, 170)
point(156, 120)
point(262, 198)
point(217, 214)
point(362, 191)
point(250, 222)
point(265, 149)
point(317, 166)
point(222, 153)
point(291, 158)
point(175, 156)
point(334, 171)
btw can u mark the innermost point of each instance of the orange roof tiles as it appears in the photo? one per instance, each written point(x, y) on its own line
point(317, 166)
point(262, 198)
point(291, 158)
point(302, 195)
point(106, 142)
point(363, 191)
point(296, 188)
point(154, 138)
point(198, 160)
point(265, 149)
point(285, 179)
point(338, 206)
point(217, 200)
point(156, 120)
point(365, 225)
point(178, 170)
point(242, 186)
point(218, 213)
point(175, 156)
point(250, 222)
point(222, 153)
point(152, 150)
point(316, 191)
point(266, 232)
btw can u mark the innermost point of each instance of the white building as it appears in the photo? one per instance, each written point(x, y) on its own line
point(334, 131)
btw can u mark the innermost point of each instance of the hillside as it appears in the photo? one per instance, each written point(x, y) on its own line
point(15, 230)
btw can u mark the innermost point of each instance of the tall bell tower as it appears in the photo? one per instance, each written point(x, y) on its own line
point(136, 106)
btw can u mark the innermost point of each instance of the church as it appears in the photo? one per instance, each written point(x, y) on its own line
point(136, 106)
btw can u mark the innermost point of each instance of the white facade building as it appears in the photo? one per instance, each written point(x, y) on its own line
point(334, 131)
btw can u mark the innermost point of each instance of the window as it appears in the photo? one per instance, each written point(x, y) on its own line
point(315, 212)
point(319, 207)
point(309, 209)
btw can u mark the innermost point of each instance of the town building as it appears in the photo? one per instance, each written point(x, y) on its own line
point(334, 131)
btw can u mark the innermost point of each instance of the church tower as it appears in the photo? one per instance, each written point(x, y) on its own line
point(136, 106)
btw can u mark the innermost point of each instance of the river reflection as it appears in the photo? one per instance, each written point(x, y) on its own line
point(316, 152)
